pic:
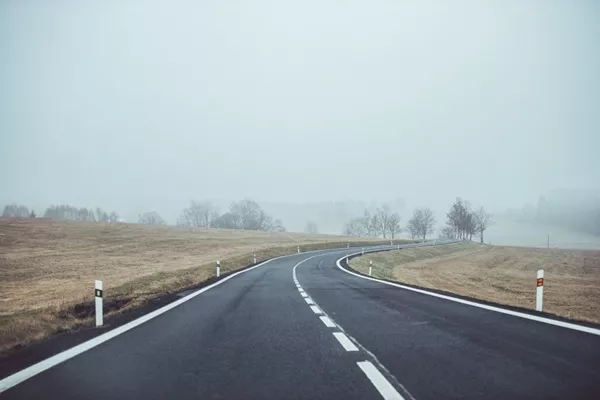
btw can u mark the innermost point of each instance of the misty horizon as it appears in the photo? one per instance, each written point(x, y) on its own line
point(140, 106)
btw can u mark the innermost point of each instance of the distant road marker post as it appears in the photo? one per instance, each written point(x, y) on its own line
point(218, 268)
point(539, 298)
point(298, 249)
point(370, 268)
point(99, 307)
point(255, 259)
point(363, 251)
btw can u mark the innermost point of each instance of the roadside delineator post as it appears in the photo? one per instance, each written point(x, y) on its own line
point(398, 246)
point(391, 242)
point(298, 249)
point(99, 307)
point(370, 268)
point(363, 251)
point(218, 268)
point(348, 245)
point(255, 259)
point(539, 298)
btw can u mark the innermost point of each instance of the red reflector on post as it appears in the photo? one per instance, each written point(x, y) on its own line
point(540, 281)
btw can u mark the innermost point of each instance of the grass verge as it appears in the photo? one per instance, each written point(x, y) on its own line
point(499, 274)
point(47, 268)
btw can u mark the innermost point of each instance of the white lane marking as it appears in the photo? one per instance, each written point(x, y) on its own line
point(345, 342)
point(328, 322)
point(316, 310)
point(383, 386)
point(309, 300)
point(48, 363)
point(536, 318)
point(304, 295)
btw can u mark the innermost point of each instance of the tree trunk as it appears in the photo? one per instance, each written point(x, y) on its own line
point(481, 237)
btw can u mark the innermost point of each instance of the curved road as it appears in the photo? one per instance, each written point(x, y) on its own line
point(300, 328)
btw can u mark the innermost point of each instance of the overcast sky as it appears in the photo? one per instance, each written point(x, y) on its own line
point(138, 105)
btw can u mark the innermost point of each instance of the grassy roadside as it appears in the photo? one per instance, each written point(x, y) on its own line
point(504, 275)
point(47, 269)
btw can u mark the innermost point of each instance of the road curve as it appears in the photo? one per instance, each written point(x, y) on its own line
point(300, 328)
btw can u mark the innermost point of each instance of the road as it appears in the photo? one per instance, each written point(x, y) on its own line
point(331, 335)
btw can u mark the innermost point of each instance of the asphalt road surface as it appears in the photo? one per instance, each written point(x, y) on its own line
point(316, 332)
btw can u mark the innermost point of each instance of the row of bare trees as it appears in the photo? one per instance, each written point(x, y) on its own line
point(382, 222)
point(462, 222)
point(245, 214)
point(71, 213)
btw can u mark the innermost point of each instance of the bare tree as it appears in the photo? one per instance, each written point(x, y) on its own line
point(311, 227)
point(151, 218)
point(368, 223)
point(482, 221)
point(381, 220)
point(413, 227)
point(422, 223)
point(394, 226)
point(200, 214)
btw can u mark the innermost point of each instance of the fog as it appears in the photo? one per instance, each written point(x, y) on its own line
point(141, 105)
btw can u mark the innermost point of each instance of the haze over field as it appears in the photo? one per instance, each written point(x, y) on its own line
point(144, 105)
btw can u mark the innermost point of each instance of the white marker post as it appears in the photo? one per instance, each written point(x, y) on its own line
point(539, 299)
point(398, 246)
point(298, 249)
point(391, 242)
point(99, 308)
point(218, 268)
point(370, 268)
point(363, 251)
point(255, 259)
point(348, 245)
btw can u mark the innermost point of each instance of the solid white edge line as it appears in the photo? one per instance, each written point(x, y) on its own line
point(328, 322)
point(345, 342)
point(383, 386)
point(549, 321)
point(35, 369)
point(316, 310)
point(309, 300)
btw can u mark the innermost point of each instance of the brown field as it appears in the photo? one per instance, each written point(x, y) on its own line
point(505, 275)
point(48, 268)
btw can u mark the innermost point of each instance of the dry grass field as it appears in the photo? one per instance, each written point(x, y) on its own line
point(505, 275)
point(48, 268)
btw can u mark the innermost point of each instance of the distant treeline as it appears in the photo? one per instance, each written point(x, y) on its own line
point(246, 214)
point(573, 210)
point(62, 212)
point(461, 223)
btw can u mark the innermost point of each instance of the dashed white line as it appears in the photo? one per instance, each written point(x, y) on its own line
point(308, 300)
point(345, 342)
point(304, 295)
point(316, 310)
point(328, 322)
point(383, 386)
